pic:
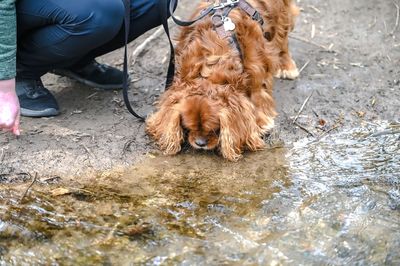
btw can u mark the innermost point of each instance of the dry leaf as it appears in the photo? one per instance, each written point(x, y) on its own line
point(360, 114)
point(151, 156)
point(373, 102)
point(60, 192)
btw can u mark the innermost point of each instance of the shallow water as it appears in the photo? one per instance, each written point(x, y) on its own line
point(334, 201)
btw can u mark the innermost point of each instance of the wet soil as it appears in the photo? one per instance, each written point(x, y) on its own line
point(352, 65)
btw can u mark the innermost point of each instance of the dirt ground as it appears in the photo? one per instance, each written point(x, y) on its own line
point(351, 54)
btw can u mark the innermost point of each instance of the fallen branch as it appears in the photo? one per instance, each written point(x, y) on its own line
point(139, 49)
point(314, 8)
point(303, 67)
point(338, 123)
point(302, 107)
point(28, 188)
point(305, 129)
point(91, 95)
point(328, 49)
point(88, 151)
point(397, 18)
point(328, 131)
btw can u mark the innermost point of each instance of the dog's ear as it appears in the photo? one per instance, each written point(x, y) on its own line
point(165, 124)
point(239, 128)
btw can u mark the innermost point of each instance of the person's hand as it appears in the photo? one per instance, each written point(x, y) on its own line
point(9, 107)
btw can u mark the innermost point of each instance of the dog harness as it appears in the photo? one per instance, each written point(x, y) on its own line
point(225, 27)
point(222, 23)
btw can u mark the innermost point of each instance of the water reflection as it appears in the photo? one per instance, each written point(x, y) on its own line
point(334, 201)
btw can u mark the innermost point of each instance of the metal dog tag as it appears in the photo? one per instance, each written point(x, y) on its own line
point(228, 24)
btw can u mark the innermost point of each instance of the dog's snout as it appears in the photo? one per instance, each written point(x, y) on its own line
point(201, 142)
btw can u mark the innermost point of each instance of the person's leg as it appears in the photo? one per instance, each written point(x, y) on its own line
point(57, 33)
point(68, 35)
point(144, 16)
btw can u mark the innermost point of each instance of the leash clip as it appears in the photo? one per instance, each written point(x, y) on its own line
point(230, 3)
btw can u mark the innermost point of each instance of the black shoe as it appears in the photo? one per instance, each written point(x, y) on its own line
point(95, 75)
point(34, 99)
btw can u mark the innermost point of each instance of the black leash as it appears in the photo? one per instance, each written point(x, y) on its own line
point(125, 86)
point(172, 5)
point(163, 9)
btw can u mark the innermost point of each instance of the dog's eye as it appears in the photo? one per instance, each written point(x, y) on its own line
point(214, 132)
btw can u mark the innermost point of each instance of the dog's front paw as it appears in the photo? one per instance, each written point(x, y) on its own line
point(266, 123)
point(288, 71)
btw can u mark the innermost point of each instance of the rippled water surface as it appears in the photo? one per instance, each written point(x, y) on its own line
point(333, 201)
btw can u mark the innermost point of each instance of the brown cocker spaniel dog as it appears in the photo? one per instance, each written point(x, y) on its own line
point(222, 99)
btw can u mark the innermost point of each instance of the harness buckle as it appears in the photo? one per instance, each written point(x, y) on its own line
point(230, 3)
point(257, 17)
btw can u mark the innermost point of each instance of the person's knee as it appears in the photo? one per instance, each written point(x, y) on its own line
point(96, 19)
point(109, 15)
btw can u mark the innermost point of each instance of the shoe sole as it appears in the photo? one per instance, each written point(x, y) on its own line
point(43, 113)
point(88, 82)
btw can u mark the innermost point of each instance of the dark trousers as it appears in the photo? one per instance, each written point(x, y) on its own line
point(70, 33)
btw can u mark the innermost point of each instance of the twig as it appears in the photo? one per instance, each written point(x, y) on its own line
point(2, 155)
point(88, 151)
point(338, 123)
point(51, 179)
point(329, 130)
point(112, 232)
point(311, 42)
point(91, 95)
point(302, 107)
point(303, 67)
point(28, 188)
point(397, 18)
point(384, 24)
point(312, 31)
point(373, 23)
point(314, 8)
point(305, 129)
point(145, 44)
point(386, 132)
